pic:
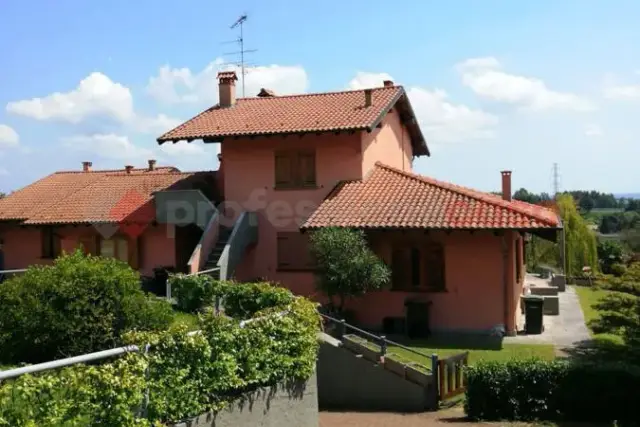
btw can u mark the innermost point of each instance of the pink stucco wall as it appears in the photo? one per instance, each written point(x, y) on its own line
point(249, 185)
point(22, 245)
point(389, 144)
point(249, 171)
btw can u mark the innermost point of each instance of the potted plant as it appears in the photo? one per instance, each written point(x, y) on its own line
point(418, 373)
point(361, 346)
point(393, 363)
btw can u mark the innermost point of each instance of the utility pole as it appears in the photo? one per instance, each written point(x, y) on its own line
point(556, 180)
point(240, 41)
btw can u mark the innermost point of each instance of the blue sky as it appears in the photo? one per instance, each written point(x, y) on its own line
point(495, 84)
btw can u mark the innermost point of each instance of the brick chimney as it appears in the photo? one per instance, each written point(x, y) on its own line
point(128, 168)
point(367, 97)
point(86, 166)
point(506, 185)
point(388, 83)
point(227, 88)
point(152, 165)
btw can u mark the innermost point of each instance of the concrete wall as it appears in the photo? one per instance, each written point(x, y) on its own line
point(349, 382)
point(291, 405)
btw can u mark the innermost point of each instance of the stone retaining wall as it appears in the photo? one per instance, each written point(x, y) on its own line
point(283, 405)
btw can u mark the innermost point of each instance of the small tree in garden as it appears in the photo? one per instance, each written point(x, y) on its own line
point(346, 267)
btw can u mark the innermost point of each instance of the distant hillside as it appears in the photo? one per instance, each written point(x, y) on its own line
point(628, 195)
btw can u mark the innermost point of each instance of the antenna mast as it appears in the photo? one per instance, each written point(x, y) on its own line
point(240, 23)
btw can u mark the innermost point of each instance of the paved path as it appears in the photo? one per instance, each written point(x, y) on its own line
point(566, 330)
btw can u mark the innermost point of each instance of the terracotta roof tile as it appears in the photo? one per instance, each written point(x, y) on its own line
point(269, 115)
point(390, 198)
point(90, 197)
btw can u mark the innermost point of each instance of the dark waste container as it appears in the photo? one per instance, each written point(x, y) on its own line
point(417, 318)
point(533, 314)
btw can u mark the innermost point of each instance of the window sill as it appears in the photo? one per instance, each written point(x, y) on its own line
point(296, 188)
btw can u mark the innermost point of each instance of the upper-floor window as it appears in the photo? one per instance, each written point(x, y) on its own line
point(295, 169)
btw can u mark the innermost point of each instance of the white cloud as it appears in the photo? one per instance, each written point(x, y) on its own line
point(4, 172)
point(108, 146)
point(364, 80)
point(593, 131)
point(622, 91)
point(485, 77)
point(8, 136)
point(155, 125)
point(184, 148)
point(440, 119)
point(181, 85)
point(96, 95)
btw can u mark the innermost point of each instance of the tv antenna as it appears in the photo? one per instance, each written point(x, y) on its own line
point(240, 41)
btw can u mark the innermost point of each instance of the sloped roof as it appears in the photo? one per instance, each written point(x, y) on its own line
point(74, 197)
point(315, 112)
point(391, 198)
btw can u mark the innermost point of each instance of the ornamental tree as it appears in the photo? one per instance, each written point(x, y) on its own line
point(346, 266)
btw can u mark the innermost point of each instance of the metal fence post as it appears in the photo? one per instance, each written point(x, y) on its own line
point(342, 328)
point(146, 382)
point(168, 285)
point(383, 346)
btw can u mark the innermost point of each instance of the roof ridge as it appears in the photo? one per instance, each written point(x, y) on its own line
point(472, 193)
point(99, 171)
point(335, 92)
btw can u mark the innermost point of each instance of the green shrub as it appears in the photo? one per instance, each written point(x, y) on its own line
point(108, 395)
point(243, 300)
point(193, 293)
point(618, 269)
point(554, 391)
point(79, 305)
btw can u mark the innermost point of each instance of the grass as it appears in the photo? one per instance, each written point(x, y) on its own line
point(589, 298)
point(477, 350)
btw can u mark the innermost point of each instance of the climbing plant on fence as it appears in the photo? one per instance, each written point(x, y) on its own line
point(188, 374)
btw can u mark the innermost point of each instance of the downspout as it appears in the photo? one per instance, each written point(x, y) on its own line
point(505, 281)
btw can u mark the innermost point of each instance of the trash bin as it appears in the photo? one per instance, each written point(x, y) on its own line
point(533, 305)
point(417, 318)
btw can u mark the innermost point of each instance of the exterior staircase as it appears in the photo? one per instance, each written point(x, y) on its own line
point(224, 234)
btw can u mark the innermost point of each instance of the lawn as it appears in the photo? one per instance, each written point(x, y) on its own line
point(589, 298)
point(477, 351)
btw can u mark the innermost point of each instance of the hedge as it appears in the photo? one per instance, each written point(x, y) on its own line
point(188, 374)
point(552, 391)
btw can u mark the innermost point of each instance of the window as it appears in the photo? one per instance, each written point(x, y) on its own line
point(50, 243)
point(295, 169)
point(117, 247)
point(293, 252)
point(418, 268)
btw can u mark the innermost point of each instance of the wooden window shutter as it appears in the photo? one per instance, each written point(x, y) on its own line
point(57, 244)
point(307, 168)
point(435, 266)
point(132, 246)
point(283, 169)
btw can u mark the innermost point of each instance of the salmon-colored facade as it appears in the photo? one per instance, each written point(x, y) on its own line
point(345, 159)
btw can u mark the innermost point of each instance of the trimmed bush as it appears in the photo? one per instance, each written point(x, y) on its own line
point(193, 293)
point(244, 300)
point(79, 305)
point(188, 374)
point(554, 391)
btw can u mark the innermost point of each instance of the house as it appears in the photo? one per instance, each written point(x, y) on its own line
point(301, 162)
point(106, 212)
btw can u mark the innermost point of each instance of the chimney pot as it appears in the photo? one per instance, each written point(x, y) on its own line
point(227, 88)
point(86, 166)
point(367, 97)
point(388, 83)
point(506, 185)
point(128, 168)
point(152, 165)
